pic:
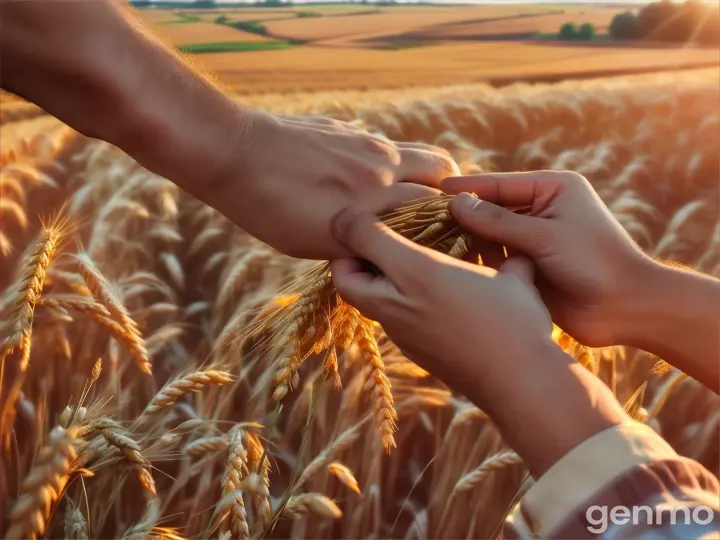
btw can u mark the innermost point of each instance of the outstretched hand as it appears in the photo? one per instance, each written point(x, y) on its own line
point(294, 174)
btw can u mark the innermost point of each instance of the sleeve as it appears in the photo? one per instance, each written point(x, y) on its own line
point(625, 482)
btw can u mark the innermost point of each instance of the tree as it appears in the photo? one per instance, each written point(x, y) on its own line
point(568, 31)
point(587, 31)
point(653, 19)
point(624, 26)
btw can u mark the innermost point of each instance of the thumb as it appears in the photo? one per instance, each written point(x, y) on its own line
point(370, 239)
point(520, 267)
point(528, 234)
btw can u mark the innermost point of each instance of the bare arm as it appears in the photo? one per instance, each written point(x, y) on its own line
point(90, 64)
point(676, 316)
point(93, 65)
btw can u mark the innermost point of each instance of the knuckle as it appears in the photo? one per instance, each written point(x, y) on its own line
point(379, 147)
point(443, 164)
point(572, 178)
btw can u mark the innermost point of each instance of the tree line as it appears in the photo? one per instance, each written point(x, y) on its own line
point(666, 21)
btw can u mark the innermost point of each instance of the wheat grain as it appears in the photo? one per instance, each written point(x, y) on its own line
point(205, 446)
point(193, 382)
point(233, 511)
point(486, 468)
point(299, 506)
point(75, 524)
point(21, 307)
point(378, 385)
point(345, 475)
point(43, 484)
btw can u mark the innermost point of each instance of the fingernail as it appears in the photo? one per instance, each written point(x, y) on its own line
point(465, 201)
point(340, 224)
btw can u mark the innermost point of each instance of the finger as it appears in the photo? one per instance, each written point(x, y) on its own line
point(393, 197)
point(424, 167)
point(368, 238)
point(508, 189)
point(532, 235)
point(320, 122)
point(423, 146)
point(520, 267)
point(366, 291)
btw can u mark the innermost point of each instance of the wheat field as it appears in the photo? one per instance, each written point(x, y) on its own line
point(135, 402)
point(204, 32)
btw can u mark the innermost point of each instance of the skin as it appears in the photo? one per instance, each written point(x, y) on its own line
point(597, 283)
point(94, 66)
point(486, 333)
point(486, 330)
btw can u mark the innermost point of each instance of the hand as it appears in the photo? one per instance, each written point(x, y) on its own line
point(294, 175)
point(589, 267)
point(485, 333)
point(462, 322)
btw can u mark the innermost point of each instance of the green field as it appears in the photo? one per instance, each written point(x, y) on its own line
point(236, 46)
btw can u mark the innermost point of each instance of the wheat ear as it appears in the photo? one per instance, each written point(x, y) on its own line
point(486, 468)
point(44, 484)
point(234, 515)
point(377, 385)
point(194, 382)
point(22, 306)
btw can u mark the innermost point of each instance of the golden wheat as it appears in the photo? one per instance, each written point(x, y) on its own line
point(309, 385)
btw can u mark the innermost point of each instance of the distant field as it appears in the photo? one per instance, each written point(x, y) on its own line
point(205, 32)
point(242, 16)
point(317, 29)
point(157, 16)
point(306, 69)
point(208, 48)
point(516, 27)
point(337, 8)
point(248, 14)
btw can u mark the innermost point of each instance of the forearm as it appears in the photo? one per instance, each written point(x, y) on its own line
point(544, 414)
point(93, 66)
point(676, 316)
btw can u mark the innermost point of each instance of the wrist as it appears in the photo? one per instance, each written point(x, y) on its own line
point(649, 307)
point(550, 406)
